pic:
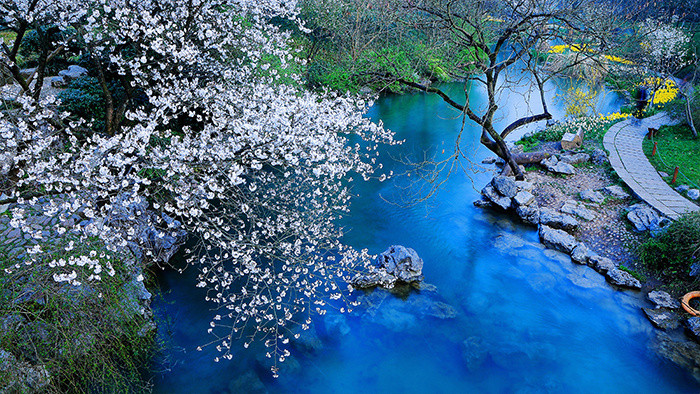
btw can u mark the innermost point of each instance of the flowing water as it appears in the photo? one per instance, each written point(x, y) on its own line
point(504, 315)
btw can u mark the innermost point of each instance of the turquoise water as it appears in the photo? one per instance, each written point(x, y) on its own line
point(522, 318)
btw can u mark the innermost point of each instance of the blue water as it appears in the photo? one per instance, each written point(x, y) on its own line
point(527, 319)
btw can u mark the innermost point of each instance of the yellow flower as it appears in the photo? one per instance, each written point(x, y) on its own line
point(666, 91)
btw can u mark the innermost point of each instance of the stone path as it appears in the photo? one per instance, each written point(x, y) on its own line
point(624, 142)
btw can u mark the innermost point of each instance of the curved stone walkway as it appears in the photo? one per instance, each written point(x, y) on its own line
point(624, 142)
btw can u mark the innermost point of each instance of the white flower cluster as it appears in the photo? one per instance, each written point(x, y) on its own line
point(665, 45)
point(254, 167)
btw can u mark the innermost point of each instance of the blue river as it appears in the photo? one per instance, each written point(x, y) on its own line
point(500, 313)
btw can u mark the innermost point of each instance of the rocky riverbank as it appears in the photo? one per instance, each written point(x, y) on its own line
point(48, 327)
point(582, 211)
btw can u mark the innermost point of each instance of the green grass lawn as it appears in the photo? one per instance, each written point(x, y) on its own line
point(676, 147)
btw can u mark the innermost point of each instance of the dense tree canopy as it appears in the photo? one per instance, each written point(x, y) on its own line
point(211, 128)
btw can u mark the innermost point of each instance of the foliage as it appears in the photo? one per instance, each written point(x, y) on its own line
point(83, 98)
point(594, 128)
point(84, 335)
point(677, 107)
point(676, 147)
point(674, 251)
point(355, 43)
point(640, 277)
point(251, 164)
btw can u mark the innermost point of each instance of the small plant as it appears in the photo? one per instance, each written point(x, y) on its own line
point(674, 251)
point(640, 277)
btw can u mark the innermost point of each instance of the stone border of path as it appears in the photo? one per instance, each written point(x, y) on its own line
point(624, 142)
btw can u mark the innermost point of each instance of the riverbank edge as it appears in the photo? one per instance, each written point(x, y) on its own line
point(133, 291)
point(677, 335)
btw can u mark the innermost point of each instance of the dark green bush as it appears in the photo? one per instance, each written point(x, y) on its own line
point(673, 252)
point(84, 98)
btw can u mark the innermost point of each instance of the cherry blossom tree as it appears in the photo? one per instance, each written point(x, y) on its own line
point(214, 131)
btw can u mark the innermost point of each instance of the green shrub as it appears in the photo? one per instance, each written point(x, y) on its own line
point(84, 98)
point(674, 251)
point(91, 338)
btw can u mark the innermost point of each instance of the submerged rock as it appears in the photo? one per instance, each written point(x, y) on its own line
point(474, 353)
point(685, 354)
point(248, 383)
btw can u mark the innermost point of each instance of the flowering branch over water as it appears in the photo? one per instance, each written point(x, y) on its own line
point(216, 132)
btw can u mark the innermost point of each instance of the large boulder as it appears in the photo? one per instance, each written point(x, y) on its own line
point(601, 264)
point(582, 254)
point(21, 377)
point(396, 264)
point(505, 186)
point(491, 194)
point(523, 198)
point(646, 218)
point(554, 165)
point(622, 278)
point(402, 262)
point(662, 299)
point(577, 158)
point(529, 213)
point(554, 219)
point(574, 208)
point(557, 239)
point(662, 318)
point(72, 73)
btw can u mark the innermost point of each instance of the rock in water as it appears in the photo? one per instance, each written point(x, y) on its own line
point(686, 354)
point(397, 263)
point(402, 262)
point(474, 353)
point(505, 186)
